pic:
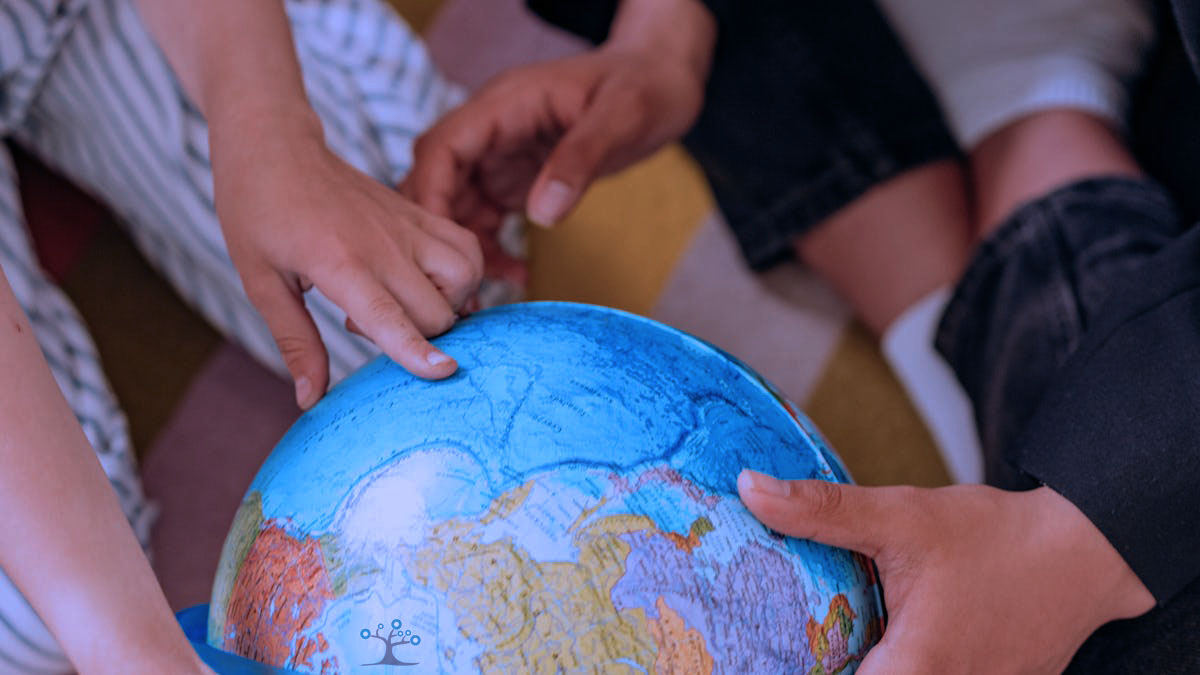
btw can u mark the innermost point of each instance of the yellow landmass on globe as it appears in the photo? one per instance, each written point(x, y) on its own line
point(587, 513)
point(681, 650)
point(528, 613)
point(507, 504)
point(828, 641)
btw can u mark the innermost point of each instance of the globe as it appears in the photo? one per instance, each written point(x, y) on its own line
point(566, 501)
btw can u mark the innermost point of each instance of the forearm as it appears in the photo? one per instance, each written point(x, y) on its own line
point(70, 549)
point(236, 60)
point(680, 29)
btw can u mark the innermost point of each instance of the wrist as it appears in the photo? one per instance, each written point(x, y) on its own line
point(682, 30)
point(1090, 560)
point(262, 135)
point(252, 127)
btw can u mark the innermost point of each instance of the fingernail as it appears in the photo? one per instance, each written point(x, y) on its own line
point(303, 391)
point(436, 358)
point(550, 204)
point(753, 481)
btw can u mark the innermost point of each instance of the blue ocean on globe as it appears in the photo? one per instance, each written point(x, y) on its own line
point(565, 502)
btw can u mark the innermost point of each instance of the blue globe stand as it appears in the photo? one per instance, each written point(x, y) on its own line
point(194, 621)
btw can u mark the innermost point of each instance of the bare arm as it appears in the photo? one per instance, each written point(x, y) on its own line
point(235, 59)
point(67, 545)
point(293, 214)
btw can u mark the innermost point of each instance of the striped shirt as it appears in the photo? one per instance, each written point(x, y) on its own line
point(31, 34)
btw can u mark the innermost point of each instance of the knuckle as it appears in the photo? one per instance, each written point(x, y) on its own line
point(335, 256)
point(294, 350)
point(383, 308)
point(825, 499)
point(467, 270)
point(458, 278)
point(338, 262)
point(471, 267)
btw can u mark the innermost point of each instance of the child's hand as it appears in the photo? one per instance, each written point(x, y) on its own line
point(296, 216)
point(535, 137)
point(975, 579)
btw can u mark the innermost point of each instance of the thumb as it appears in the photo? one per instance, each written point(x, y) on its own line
point(295, 335)
point(845, 516)
point(581, 157)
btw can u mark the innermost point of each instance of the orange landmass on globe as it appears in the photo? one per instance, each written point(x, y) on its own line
point(681, 650)
point(288, 575)
point(829, 641)
point(700, 527)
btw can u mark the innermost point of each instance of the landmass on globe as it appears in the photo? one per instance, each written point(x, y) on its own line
point(532, 623)
point(567, 502)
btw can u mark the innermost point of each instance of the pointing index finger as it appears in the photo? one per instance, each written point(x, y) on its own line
point(382, 318)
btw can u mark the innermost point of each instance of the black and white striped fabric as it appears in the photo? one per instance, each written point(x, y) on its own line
point(84, 87)
point(31, 32)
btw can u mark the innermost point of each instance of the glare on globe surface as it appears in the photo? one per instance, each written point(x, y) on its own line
point(567, 501)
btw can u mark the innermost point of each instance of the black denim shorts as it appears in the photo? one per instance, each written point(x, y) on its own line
point(1027, 299)
point(809, 104)
point(1032, 289)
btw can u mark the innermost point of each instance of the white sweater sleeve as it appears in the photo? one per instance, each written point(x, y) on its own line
point(991, 62)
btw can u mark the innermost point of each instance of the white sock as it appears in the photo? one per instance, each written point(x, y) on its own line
point(990, 62)
point(931, 385)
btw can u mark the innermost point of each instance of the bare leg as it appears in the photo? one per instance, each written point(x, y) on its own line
point(891, 254)
point(894, 245)
point(1036, 154)
point(913, 234)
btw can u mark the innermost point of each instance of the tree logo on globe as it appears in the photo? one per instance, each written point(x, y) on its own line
point(397, 637)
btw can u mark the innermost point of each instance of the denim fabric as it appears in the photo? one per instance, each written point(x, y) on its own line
point(1030, 293)
point(1163, 642)
point(808, 106)
point(1035, 303)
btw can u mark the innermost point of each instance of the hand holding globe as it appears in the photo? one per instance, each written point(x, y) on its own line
point(965, 556)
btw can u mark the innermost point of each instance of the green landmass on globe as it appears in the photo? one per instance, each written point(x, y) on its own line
point(565, 503)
